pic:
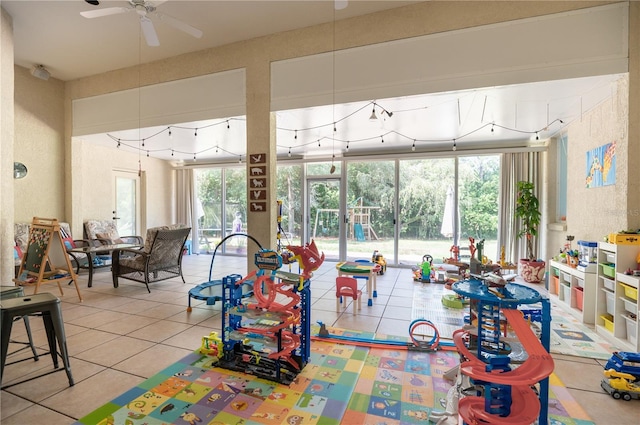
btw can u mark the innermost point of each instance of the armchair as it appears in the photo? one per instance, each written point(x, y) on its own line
point(160, 259)
point(105, 232)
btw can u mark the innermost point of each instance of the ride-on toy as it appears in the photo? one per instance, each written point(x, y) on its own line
point(378, 258)
point(622, 376)
point(423, 272)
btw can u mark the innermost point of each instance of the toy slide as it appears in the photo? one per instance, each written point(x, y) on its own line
point(525, 405)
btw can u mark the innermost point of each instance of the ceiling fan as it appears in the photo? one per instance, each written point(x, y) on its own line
point(145, 9)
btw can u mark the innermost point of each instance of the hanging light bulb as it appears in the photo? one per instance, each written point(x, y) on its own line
point(194, 156)
point(295, 135)
point(318, 142)
point(492, 128)
point(454, 145)
point(373, 116)
point(170, 136)
point(537, 138)
point(289, 153)
point(347, 146)
point(143, 143)
point(118, 143)
point(228, 126)
point(413, 147)
point(382, 139)
point(171, 152)
point(216, 148)
point(239, 159)
point(334, 127)
point(147, 154)
point(196, 133)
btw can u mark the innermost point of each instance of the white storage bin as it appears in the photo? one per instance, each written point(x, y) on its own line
point(566, 293)
point(609, 284)
point(629, 306)
point(632, 330)
point(611, 257)
point(580, 282)
point(611, 300)
point(566, 277)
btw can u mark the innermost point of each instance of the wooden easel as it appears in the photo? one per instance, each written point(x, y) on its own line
point(45, 259)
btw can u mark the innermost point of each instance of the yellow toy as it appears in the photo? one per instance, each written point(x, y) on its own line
point(379, 259)
point(212, 345)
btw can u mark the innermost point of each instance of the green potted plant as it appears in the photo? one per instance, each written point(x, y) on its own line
point(528, 211)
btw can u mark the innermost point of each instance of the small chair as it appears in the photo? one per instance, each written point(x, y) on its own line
point(348, 287)
point(48, 306)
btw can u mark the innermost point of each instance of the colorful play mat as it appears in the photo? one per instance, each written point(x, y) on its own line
point(365, 385)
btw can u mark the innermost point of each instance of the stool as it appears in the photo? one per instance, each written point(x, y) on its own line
point(7, 292)
point(47, 305)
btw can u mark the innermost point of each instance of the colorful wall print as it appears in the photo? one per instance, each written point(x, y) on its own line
point(601, 166)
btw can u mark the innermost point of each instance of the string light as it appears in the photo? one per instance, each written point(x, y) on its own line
point(142, 141)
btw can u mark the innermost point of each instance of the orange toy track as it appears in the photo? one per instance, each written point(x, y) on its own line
point(539, 365)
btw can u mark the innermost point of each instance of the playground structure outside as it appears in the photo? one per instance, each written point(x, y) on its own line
point(411, 251)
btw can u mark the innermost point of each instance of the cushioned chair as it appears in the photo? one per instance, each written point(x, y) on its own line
point(106, 232)
point(160, 259)
point(348, 287)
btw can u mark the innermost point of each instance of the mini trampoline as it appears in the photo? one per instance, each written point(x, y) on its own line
point(211, 291)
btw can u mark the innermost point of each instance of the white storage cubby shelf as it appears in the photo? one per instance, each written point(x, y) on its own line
point(617, 295)
point(570, 281)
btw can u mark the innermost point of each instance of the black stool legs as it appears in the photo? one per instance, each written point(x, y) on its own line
point(48, 306)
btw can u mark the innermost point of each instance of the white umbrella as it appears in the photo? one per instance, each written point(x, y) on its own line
point(448, 217)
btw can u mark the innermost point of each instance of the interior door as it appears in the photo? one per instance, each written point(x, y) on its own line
point(324, 221)
point(126, 212)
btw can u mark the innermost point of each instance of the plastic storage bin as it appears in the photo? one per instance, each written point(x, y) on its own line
point(611, 299)
point(608, 322)
point(566, 293)
point(630, 291)
point(632, 330)
point(629, 306)
point(556, 284)
point(579, 294)
point(609, 269)
point(609, 284)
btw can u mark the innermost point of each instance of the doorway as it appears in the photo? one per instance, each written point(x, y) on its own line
point(126, 212)
point(324, 218)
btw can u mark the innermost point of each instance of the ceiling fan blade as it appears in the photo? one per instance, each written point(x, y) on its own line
point(176, 23)
point(97, 13)
point(149, 31)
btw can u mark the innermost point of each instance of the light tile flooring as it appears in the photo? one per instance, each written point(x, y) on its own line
point(118, 337)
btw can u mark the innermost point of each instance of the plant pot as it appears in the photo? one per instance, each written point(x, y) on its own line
point(532, 271)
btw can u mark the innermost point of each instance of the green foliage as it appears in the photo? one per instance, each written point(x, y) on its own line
point(528, 211)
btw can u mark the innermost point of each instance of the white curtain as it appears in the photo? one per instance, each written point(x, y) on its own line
point(514, 168)
point(185, 203)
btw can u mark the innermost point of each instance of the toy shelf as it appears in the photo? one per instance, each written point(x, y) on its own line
point(617, 295)
point(575, 290)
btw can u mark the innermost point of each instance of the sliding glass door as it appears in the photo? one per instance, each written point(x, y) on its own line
point(370, 209)
point(423, 193)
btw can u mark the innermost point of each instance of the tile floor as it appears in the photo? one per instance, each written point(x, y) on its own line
point(118, 337)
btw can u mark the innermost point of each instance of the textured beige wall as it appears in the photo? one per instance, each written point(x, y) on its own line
point(39, 144)
point(6, 146)
point(97, 184)
point(595, 212)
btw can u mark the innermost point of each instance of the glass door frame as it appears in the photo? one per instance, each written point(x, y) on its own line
point(131, 175)
point(342, 214)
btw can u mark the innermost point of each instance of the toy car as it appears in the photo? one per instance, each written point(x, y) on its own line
point(620, 385)
point(625, 362)
point(379, 259)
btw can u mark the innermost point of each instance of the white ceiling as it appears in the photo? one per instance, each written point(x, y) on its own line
point(53, 33)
